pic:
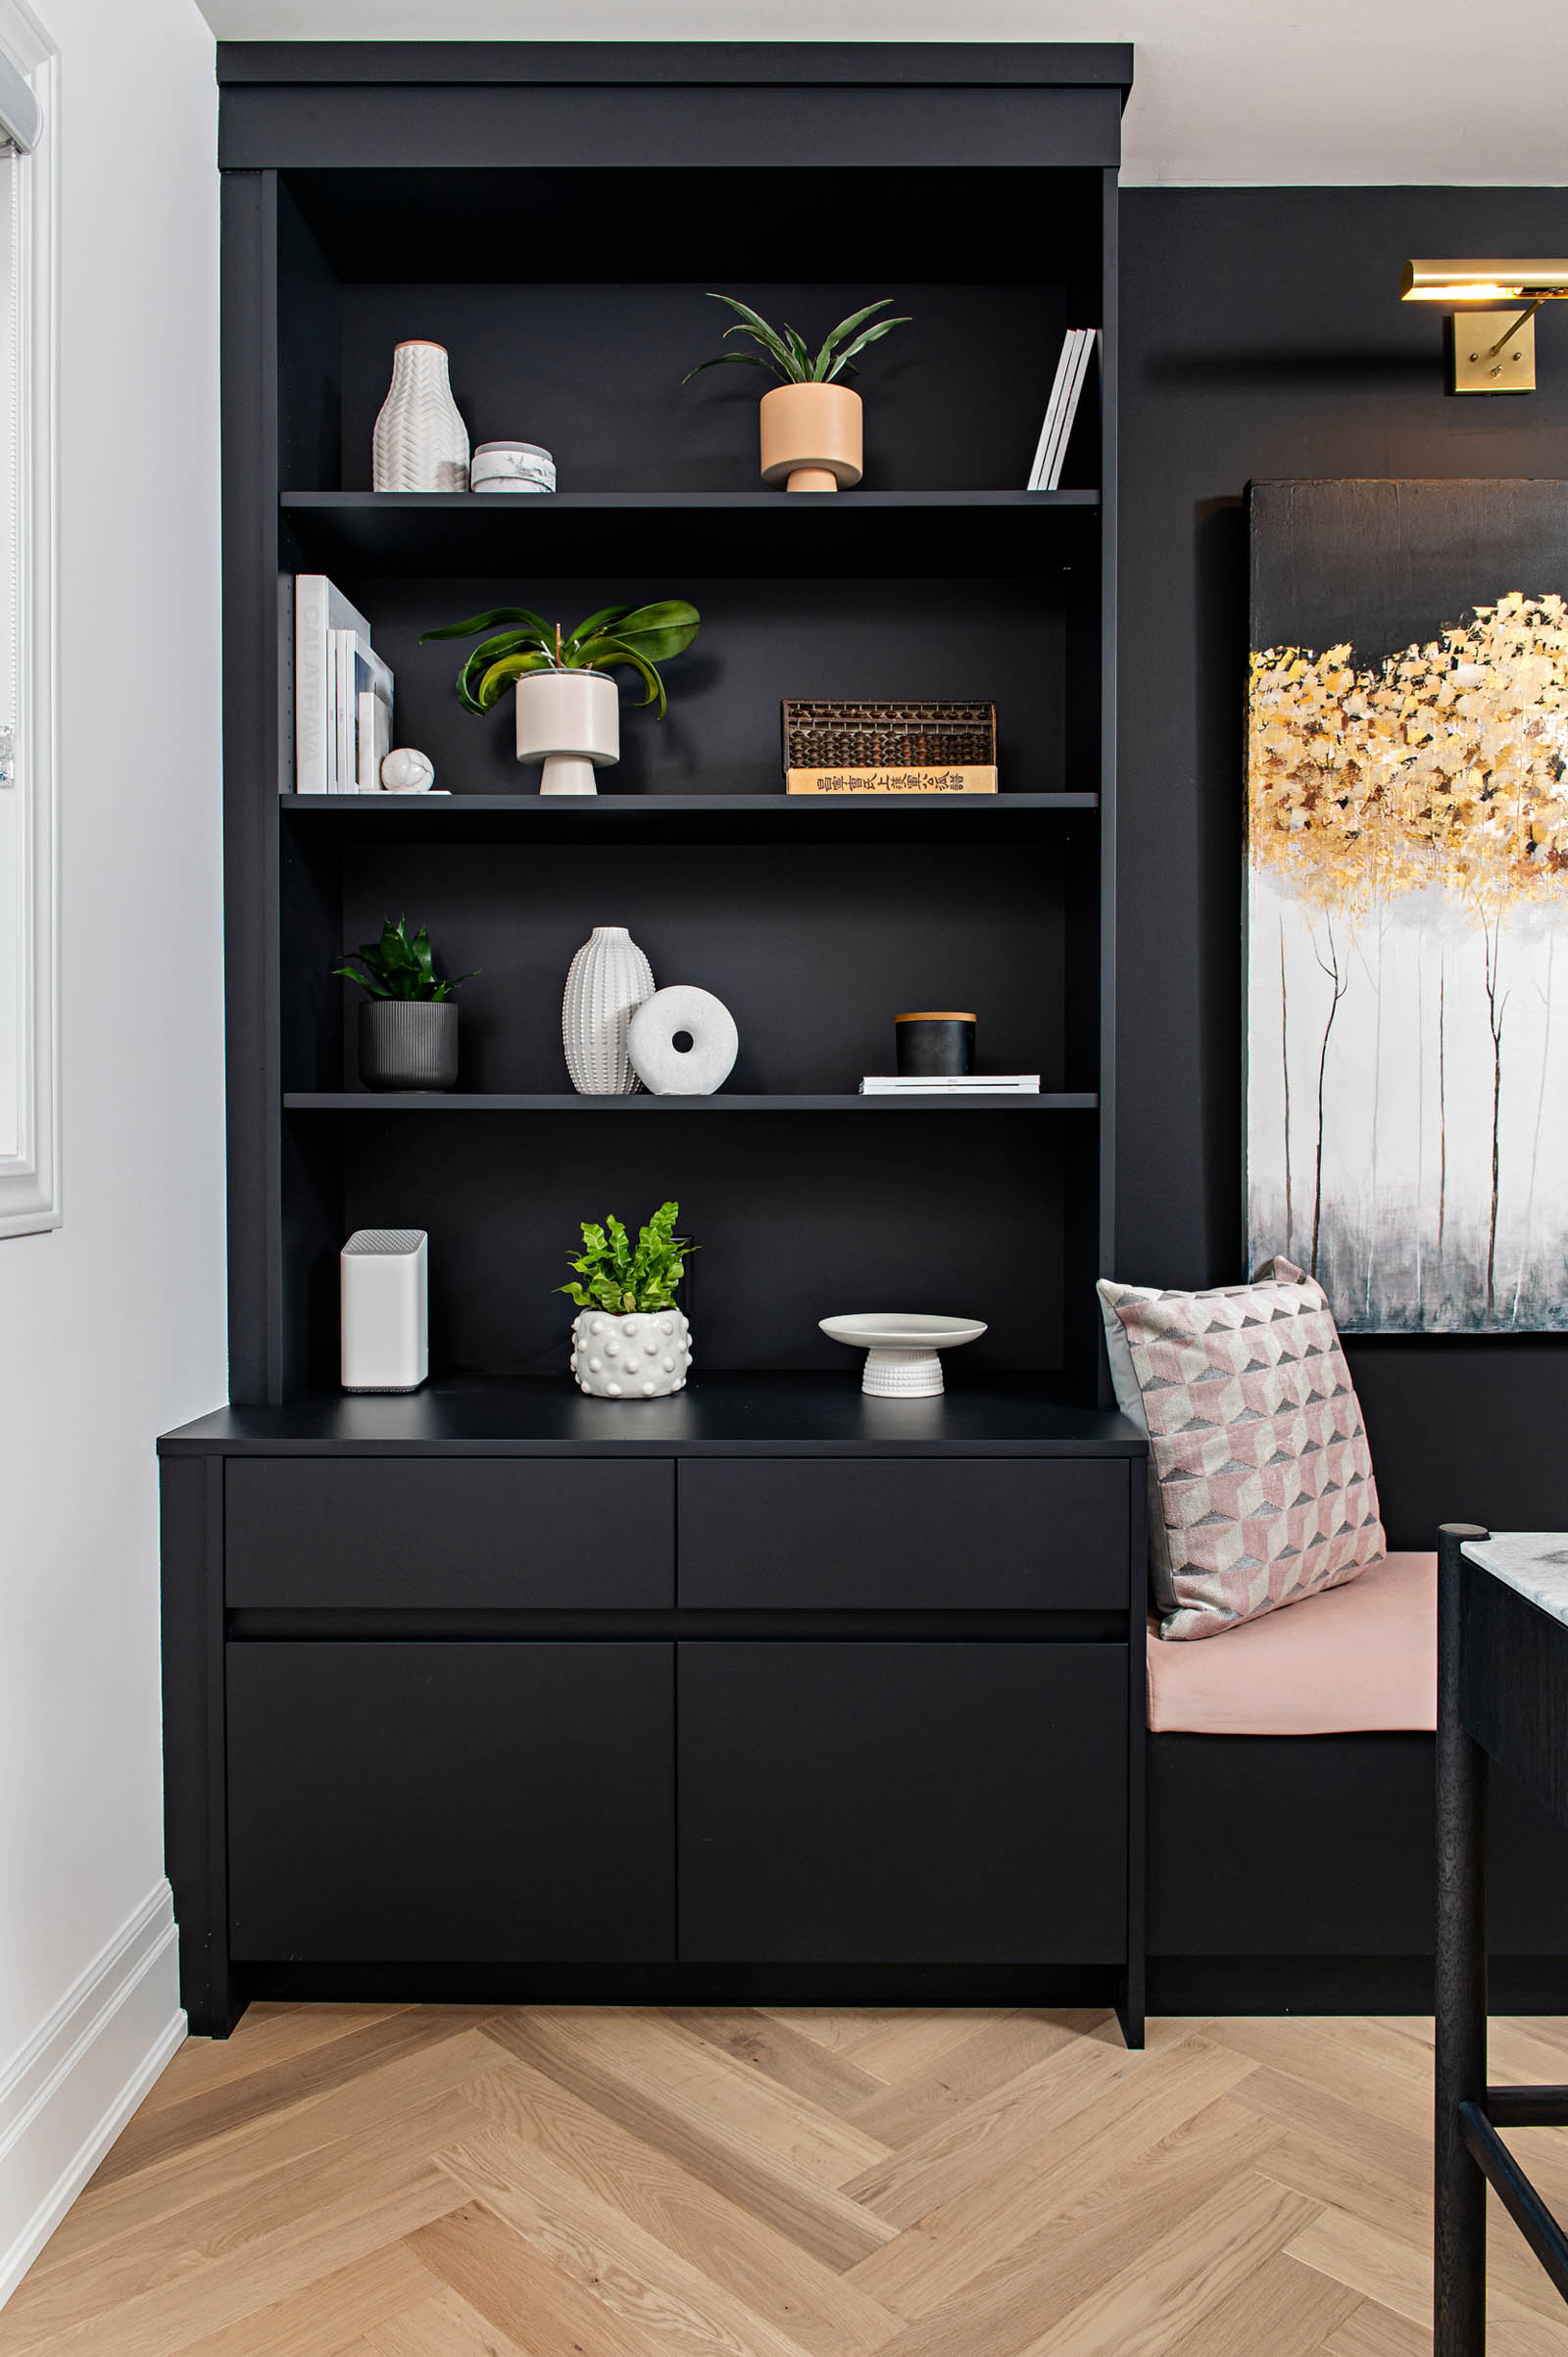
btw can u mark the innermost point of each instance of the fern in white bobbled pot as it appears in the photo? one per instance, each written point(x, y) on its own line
point(629, 1341)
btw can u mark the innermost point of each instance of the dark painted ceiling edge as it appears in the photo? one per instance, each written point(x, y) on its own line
point(1031, 64)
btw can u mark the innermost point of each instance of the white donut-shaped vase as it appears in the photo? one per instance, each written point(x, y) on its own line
point(666, 1070)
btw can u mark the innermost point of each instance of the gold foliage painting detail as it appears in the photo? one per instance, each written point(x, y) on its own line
point(1447, 765)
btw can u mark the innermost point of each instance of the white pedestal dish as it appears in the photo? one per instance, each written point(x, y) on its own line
point(902, 1349)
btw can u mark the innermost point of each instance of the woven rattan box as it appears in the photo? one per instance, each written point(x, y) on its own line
point(844, 748)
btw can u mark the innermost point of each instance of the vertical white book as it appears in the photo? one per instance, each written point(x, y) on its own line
point(1044, 478)
point(372, 686)
point(1089, 339)
point(1053, 407)
point(319, 608)
point(342, 714)
point(376, 739)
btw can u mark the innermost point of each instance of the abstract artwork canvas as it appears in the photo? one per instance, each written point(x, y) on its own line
point(1407, 888)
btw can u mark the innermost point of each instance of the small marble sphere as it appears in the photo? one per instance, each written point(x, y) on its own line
point(644, 1356)
point(405, 770)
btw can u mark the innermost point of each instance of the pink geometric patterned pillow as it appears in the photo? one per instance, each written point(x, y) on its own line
point(1261, 1485)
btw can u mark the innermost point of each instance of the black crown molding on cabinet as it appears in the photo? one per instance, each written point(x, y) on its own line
point(806, 65)
point(619, 106)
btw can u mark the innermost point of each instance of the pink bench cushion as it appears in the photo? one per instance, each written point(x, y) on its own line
point(1361, 1657)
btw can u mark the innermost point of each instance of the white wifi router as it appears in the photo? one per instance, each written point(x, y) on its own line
point(384, 1274)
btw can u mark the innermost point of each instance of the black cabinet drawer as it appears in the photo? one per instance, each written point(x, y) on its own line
point(455, 1802)
point(982, 1534)
point(919, 1802)
point(424, 1533)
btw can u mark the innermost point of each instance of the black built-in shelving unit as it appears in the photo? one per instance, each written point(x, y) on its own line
point(555, 217)
point(600, 1632)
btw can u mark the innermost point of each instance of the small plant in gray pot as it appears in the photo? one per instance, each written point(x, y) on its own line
point(408, 1023)
point(630, 1342)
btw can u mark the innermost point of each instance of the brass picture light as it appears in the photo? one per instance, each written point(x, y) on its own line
point(1492, 347)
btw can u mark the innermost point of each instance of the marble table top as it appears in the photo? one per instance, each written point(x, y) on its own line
point(1534, 1562)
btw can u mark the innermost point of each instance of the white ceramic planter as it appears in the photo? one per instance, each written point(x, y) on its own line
point(607, 982)
point(641, 1358)
point(570, 720)
point(421, 442)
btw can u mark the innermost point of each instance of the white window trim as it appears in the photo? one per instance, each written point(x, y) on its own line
point(29, 1180)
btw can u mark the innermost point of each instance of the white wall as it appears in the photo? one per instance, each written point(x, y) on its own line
point(112, 1326)
point(1228, 92)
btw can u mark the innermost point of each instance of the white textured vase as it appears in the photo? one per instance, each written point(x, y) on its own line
point(640, 1357)
point(570, 720)
point(421, 442)
point(608, 979)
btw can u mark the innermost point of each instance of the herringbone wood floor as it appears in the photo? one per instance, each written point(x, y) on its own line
point(377, 2181)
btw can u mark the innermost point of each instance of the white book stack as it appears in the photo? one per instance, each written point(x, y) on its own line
point(1072, 370)
point(343, 694)
point(967, 1084)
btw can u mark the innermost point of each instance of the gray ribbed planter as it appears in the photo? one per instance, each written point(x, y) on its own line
point(408, 1043)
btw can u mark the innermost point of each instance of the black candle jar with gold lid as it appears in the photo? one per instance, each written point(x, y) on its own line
point(934, 1047)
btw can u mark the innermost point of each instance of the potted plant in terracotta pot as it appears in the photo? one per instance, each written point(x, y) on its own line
point(810, 422)
point(629, 1341)
point(408, 1024)
point(568, 712)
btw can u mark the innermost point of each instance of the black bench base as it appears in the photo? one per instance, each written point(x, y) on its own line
point(1296, 1874)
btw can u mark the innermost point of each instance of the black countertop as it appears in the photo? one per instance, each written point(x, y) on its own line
point(739, 1415)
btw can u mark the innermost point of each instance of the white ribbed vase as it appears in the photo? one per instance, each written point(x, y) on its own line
point(421, 442)
point(607, 981)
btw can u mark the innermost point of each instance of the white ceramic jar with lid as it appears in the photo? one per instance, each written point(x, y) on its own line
point(512, 466)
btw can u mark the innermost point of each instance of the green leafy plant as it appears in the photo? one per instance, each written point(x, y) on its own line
point(631, 638)
point(786, 356)
point(612, 1275)
point(400, 967)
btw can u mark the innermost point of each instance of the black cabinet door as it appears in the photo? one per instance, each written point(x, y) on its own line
point(902, 1803)
point(424, 1533)
point(451, 1802)
point(967, 1534)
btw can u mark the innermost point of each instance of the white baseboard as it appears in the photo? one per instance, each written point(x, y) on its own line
point(65, 2096)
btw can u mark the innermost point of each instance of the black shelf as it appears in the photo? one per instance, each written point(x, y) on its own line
point(606, 809)
point(809, 1412)
point(974, 819)
point(420, 1101)
point(751, 532)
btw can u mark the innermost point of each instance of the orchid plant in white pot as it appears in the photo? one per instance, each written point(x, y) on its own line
point(567, 714)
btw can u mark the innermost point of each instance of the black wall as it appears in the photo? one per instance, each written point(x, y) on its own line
point(1262, 336)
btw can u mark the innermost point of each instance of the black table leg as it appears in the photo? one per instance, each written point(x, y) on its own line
point(1459, 2253)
